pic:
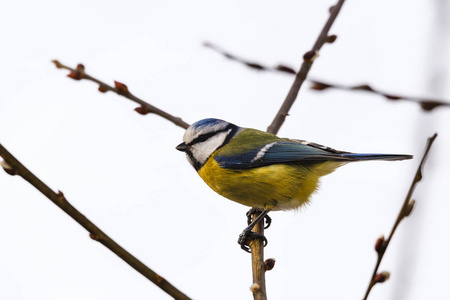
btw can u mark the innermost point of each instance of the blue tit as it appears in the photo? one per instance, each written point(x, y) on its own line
point(259, 169)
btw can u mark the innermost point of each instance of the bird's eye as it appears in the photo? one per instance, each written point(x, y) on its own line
point(202, 138)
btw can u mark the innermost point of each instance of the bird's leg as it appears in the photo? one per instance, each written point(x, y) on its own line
point(254, 210)
point(248, 234)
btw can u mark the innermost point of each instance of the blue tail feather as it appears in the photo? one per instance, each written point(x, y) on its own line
point(375, 156)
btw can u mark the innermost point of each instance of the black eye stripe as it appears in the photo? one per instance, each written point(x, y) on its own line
point(206, 136)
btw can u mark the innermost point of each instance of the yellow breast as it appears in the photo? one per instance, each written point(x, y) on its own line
point(275, 187)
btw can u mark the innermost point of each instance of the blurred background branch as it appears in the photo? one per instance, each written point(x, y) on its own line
point(406, 209)
point(425, 103)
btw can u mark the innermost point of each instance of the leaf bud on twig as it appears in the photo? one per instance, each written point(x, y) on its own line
point(255, 288)
point(430, 105)
point(380, 244)
point(121, 88)
point(382, 277)
point(331, 38)
point(80, 67)
point(269, 264)
point(310, 55)
point(76, 75)
point(8, 169)
point(409, 208)
point(319, 86)
point(285, 69)
point(363, 87)
point(254, 66)
point(392, 97)
point(57, 64)
point(142, 110)
point(102, 88)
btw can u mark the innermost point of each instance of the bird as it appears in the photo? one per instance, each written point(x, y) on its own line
point(261, 170)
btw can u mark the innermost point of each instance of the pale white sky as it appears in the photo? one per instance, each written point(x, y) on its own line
point(122, 171)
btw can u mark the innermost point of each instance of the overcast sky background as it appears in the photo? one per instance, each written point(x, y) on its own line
point(122, 171)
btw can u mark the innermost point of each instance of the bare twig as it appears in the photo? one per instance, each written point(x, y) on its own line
point(258, 287)
point(252, 65)
point(121, 89)
point(257, 249)
point(13, 167)
point(382, 244)
point(308, 59)
point(425, 104)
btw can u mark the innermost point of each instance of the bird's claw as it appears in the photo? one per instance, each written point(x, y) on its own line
point(246, 236)
point(252, 211)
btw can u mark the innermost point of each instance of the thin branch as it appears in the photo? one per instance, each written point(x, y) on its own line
point(308, 60)
point(122, 90)
point(258, 287)
point(253, 65)
point(425, 104)
point(259, 267)
point(382, 244)
point(13, 167)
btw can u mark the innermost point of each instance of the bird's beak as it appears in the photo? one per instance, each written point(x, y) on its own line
point(182, 147)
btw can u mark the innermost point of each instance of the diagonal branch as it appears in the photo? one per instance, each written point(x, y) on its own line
point(382, 244)
point(308, 60)
point(13, 167)
point(122, 90)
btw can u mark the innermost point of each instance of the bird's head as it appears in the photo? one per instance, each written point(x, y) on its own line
point(204, 137)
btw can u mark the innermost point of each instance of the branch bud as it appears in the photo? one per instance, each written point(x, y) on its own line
point(430, 105)
point(76, 75)
point(102, 88)
point(363, 87)
point(269, 264)
point(142, 110)
point(94, 237)
point(57, 64)
point(380, 244)
point(285, 69)
point(310, 55)
point(331, 38)
point(8, 169)
point(121, 88)
point(409, 208)
point(80, 68)
point(319, 86)
point(382, 277)
point(392, 97)
point(255, 288)
point(255, 66)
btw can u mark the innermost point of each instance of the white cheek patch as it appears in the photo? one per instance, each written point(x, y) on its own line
point(202, 151)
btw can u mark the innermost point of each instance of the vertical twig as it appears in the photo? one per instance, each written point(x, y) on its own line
point(258, 287)
point(381, 244)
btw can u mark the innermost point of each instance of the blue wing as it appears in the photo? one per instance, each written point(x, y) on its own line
point(280, 152)
point(292, 151)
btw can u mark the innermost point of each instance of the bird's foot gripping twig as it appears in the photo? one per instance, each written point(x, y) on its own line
point(247, 235)
point(254, 210)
